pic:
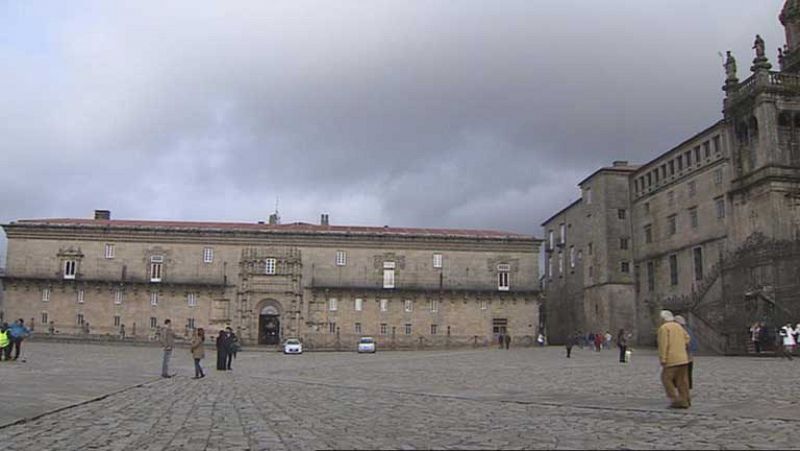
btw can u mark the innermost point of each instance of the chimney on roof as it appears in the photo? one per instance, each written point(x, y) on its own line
point(102, 215)
point(323, 219)
point(619, 163)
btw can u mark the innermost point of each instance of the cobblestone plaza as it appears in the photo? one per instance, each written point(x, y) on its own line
point(481, 398)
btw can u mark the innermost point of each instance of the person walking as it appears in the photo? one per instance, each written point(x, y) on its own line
point(500, 340)
point(608, 337)
point(5, 342)
point(691, 350)
point(786, 335)
point(571, 341)
point(168, 341)
point(18, 332)
point(198, 352)
point(222, 351)
point(755, 337)
point(507, 339)
point(673, 341)
point(622, 344)
point(598, 341)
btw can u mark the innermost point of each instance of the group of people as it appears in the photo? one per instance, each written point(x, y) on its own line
point(11, 338)
point(786, 338)
point(675, 349)
point(598, 341)
point(227, 347)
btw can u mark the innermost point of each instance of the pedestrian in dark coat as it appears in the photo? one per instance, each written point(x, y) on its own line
point(507, 338)
point(231, 346)
point(622, 343)
point(571, 340)
point(222, 351)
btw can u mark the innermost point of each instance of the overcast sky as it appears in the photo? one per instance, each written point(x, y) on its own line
point(469, 114)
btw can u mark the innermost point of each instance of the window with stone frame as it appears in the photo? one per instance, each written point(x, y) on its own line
point(408, 306)
point(341, 258)
point(718, 176)
point(358, 304)
point(109, 251)
point(191, 299)
point(332, 327)
point(208, 255)
point(434, 305)
point(383, 329)
point(693, 219)
point(673, 270)
point(672, 224)
point(154, 298)
point(44, 318)
point(118, 295)
point(357, 328)
point(156, 268)
point(269, 266)
point(153, 322)
point(70, 268)
point(388, 274)
point(719, 207)
point(81, 297)
point(407, 329)
point(333, 304)
point(438, 261)
point(384, 305)
point(117, 320)
point(651, 276)
point(623, 243)
point(697, 254)
point(625, 267)
point(648, 234)
point(434, 329)
point(692, 187)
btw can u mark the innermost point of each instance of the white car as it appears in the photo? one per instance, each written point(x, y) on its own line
point(293, 346)
point(366, 344)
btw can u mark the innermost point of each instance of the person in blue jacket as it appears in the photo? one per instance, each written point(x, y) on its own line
point(18, 332)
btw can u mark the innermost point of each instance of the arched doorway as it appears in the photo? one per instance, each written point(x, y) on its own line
point(269, 326)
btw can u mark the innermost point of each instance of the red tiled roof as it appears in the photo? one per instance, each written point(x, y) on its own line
point(300, 227)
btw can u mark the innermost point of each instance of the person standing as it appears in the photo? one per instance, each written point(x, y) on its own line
point(222, 351)
point(232, 346)
point(198, 352)
point(755, 337)
point(507, 338)
point(5, 342)
point(673, 343)
point(168, 341)
point(598, 341)
point(122, 332)
point(18, 332)
point(500, 340)
point(622, 344)
point(608, 337)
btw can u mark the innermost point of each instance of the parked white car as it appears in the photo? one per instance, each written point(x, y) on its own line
point(366, 344)
point(293, 346)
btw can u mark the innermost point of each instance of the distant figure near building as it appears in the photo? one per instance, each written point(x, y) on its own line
point(18, 333)
point(198, 352)
point(222, 350)
point(622, 344)
point(168, 341)
point(507, 339)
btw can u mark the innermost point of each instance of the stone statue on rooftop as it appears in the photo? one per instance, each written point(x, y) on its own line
point(730, 66)
point(758, 45)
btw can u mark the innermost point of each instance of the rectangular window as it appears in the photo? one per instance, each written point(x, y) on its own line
point(44, 318)
point(717, 147)
point(45, 295)
point(190, 323)
point(384, 305)
point(707, 149)
point(407, 329)
point(560, 264)
point(688, 156)
point(719, 206)
point(333, 304)
point(692, 188)
point(155, 272)
point(208, 255)
point(697, 155)
point(672, 224)
point(693, 217)
point(434, 305)
point(117, 321)
point(437, 260)
point(673, 269)
point(551, 239)
point(502, 279)
point(153, 322)
point(358, 305)
point(79, 319)
point(332, 328)
point(625, 267)
point(563, 230)
point(383, 328)
point(549, 266)
point(191, 299)
point(622, 213)
point(388, 278)
point(109, 251)
point(434, 329)
point(408, 306)
point(269, 266)
point(651, 276)
point(648, 234)
point(664, 171)
point(590, 248)
point(718, 176)
point(341, 258)
point(649, 180)
point(81, 296)
point(118, 297)
point(680, 162)
point(623, 243)
point(70, 268)
point(572, 256)
point(484, 304)
point(357, 328)
point(154, 298)
point(672, 167)
point(698, 263)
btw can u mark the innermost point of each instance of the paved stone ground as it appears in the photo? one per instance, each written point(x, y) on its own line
point(487, 398)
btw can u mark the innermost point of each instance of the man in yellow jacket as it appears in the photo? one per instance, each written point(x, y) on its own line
point(673, 342)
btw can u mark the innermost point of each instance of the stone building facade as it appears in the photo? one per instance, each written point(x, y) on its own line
point(692, 224)
point(326, 284)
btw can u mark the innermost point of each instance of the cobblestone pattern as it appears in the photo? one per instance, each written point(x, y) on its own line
point(518, 399)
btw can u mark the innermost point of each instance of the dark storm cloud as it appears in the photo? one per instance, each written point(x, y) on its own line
point(437, 114)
